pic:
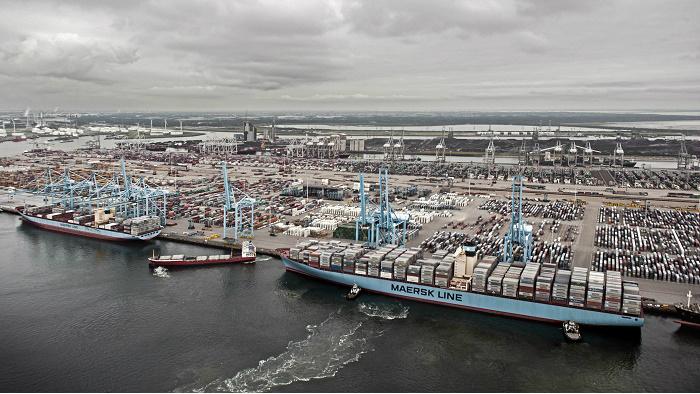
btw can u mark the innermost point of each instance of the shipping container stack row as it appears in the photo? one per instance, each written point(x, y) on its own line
point(638, 239)
point(657, 218)
point(401, 264)
point(511, 280)
point(545, 281)
point(352, 254)
point(554, 252)
point(413, 273)
point(526, 287)
point(560, 287)
point(423, 216)
point(613, 291)
point(369, 264)
point(388, 262)
point(562, 210)
point(83, 220)
point(495, 281)
point(596, 290)
point(631, 300)
point(482, 271)
point(345, 211)
point(577, 288)
point(655, 265)
point(427, 272)
point(441, 201)
point(488, 242)
point(141, 225)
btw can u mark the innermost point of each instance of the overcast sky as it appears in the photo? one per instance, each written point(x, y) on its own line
point(223, 55)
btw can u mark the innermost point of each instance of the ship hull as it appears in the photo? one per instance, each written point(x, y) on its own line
point(84, 231)
point(688, 324)
point(198, 263)
point(688, 317)
point(469, 300)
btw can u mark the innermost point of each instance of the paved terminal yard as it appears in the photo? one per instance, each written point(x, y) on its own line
point(484, 215)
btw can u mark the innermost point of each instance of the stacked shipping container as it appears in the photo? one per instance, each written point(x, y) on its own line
point(541, 282)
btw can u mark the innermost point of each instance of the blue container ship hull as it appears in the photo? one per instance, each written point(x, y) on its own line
point(512, 307)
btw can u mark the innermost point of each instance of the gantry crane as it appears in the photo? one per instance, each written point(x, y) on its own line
point(519, 232)
point(383, 225)
point(241, 205)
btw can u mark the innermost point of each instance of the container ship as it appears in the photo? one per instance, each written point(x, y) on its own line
point(689, 314)
point(248, 254)
point(102, 223)
point(533, 291)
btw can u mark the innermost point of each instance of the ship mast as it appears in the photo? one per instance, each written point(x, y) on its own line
point(690, 295)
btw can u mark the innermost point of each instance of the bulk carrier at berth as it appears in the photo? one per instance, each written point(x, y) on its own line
point(532, 291)
point(101, 224)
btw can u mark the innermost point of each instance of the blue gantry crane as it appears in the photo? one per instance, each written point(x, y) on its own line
point(519, 232)
point(128, 196)
point(241, 205)
point(383, 225)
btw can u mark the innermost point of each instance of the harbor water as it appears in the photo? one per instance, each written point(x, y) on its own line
point(87, 315)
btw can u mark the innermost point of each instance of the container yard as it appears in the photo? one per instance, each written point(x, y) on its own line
point(579, 218)
point(649, 243)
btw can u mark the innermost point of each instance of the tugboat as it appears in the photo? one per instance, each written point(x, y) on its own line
point(571, 331)
point(689, 313)
point(354, 292)
point(248, 254)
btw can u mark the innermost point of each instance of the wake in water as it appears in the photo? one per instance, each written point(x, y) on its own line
point(335, 342)
point(161, 272)
point(263, 258)
point(384, 311)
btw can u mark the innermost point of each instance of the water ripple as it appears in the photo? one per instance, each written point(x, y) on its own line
point(330, 345)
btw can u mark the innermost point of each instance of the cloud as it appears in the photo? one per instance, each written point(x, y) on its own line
point(532, 42)
point(63, 55)
point(359, 54)
point(414, 17)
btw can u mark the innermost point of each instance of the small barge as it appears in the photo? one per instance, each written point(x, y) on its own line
point(248, 254)
point(689, 313)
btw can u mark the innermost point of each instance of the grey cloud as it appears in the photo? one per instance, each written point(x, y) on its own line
point(62, 55)
point(413, 17)
point(381, 54)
